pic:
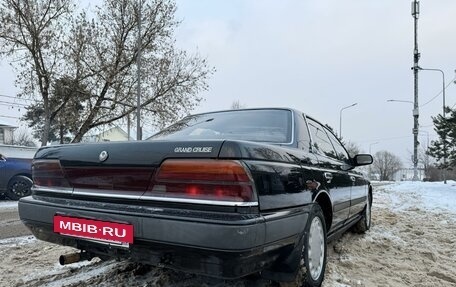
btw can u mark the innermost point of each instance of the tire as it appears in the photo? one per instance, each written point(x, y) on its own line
point(313, 257)
point(19, 186)
point(365, 222)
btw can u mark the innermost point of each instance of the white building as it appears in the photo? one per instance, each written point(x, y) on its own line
point(6, 131)
point(113, 134)
point(407, 174)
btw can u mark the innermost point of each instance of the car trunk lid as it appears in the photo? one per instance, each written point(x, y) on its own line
point(177, 171)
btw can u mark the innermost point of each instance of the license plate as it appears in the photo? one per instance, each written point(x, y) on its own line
point(104, 231)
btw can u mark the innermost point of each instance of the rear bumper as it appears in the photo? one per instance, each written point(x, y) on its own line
point(228, 246)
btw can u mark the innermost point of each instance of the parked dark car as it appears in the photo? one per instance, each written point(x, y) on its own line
point(225, 194)
point(15, 177)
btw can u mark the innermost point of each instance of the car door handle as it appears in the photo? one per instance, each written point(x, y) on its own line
point(328, 176)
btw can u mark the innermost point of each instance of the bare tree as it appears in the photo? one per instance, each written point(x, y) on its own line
point(236, 105)
point(386, 165)
point(425, 159)
point(352, 148)
point(100, 55)
point(32, 34)
point(172, 79)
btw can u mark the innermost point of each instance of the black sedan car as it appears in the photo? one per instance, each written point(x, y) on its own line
point(225, 194)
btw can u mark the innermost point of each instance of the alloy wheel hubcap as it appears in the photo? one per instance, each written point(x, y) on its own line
point(316, 248)
point(20, 188)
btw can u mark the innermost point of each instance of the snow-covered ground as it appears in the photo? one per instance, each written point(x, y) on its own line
point(412, 242)
point(8, 204)
point(431, 196)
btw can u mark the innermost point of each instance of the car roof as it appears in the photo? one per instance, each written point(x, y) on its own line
point(248, 109)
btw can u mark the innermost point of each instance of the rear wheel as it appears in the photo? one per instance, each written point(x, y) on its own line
point(19, 186)
point(313, 256)
point(364, 224)
point(314, 249)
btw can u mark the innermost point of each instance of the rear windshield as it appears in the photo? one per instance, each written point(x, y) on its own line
point(272, 126)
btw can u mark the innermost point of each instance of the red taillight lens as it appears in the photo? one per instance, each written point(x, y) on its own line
point(218, 180)
point(205, 170)
point(48, 173)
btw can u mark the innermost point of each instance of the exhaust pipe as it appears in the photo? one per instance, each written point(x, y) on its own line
point(74, 257)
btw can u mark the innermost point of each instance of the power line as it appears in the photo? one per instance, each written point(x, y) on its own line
point(10, 106)
point(439, 94)
point(14, 104)
point(384, 139)
point(387, 139)
point(16, 98)
point(9, 117)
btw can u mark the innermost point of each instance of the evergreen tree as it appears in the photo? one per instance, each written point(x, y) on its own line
point(65, 99)
point(445, 145)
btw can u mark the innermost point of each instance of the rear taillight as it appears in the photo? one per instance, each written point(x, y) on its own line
point(207, 180)
point(48, 173)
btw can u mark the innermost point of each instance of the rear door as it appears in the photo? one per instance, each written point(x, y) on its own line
point(331, 171)
point(358, 194)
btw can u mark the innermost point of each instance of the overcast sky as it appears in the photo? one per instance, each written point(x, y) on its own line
point(318, 57)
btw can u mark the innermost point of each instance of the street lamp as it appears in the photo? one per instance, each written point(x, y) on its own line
point(444, 137)
point(370, 146)
point(400, 101)
point(340, 118)
point(443, 84)
point(415, 111)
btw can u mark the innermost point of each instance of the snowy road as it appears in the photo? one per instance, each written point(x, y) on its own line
point(10, 224)
point(412, 243)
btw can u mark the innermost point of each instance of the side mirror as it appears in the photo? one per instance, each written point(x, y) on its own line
point(362, 159)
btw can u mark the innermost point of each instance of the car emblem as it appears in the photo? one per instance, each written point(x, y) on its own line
point(103, 156)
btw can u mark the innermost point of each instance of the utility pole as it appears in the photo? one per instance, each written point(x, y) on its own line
point(138, 66)
point(416, 57)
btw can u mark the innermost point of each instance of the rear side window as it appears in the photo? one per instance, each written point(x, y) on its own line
point(321, 142)
point(272, 126)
